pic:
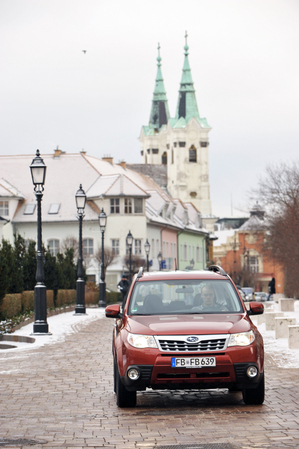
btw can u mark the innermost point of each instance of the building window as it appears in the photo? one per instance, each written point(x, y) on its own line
point(29, 209)
point(253, 264)
point(203, 144)
point(137, 248)
point(153, 248)
point(182, 144)
point(185, 252)
point(88, 247)
point(141, 152)
point(54, 208)
point(128, 205)
point(115, 246)
point(138, 203)
point(155, 150)
point(53, 246)
point(174, 144)
point(167, 146)
point(114, 206)
point(148, 150)
point(4, 210)
point(164, 158)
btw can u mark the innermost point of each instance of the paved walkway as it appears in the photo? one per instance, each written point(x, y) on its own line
point(61, 395)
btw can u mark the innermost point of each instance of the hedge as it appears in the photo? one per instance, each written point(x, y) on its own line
point(17, 303)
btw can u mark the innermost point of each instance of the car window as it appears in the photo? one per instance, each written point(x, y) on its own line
point(184, 297)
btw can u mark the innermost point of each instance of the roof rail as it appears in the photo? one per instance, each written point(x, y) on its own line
point(140, 273)
point(217, 269)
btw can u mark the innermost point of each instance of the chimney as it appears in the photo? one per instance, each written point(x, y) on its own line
point(123, 164)
point(107, 158)
point(57, 152)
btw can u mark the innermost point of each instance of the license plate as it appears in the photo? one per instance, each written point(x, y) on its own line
point(192, 362)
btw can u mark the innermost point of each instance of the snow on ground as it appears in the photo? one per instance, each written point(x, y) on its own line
point(67, 323)
point(59, 326)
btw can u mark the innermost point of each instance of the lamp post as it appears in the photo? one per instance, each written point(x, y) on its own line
point(102, 289)
point(159, 257)
point(38, 174)
point(147, 248)
point(80, 284)
point(129, 240)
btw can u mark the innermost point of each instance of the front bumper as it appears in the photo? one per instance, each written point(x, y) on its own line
point(162, 376)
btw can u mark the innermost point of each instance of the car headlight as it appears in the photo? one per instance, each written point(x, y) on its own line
point(142, 341)
point(242, 339)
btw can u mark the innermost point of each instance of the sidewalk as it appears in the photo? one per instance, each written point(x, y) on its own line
point(59, 394)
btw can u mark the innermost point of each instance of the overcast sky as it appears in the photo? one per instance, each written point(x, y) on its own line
point(245, 67)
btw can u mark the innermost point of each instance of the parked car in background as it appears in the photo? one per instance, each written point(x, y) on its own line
point(249, 293)
point(186, 330)
point(260, 296)
point(242, 294)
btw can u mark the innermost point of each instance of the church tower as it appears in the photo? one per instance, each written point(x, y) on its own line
point(153, 146)
point(182, 145)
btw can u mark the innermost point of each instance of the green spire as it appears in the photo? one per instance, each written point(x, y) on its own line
point(159, 112)
point(187, 104)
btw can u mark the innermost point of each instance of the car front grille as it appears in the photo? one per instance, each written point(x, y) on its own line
point(209, 343)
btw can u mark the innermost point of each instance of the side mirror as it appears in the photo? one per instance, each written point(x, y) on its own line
point(255, 308)
point(113, 311)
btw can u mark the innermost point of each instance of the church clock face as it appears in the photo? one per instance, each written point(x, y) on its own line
point(251, 238)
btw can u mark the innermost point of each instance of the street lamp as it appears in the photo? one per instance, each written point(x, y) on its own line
point(129, 240)
point(159, 257)
point(80, 284)
point(147, 248)
point(38, 174)
point(102, 289)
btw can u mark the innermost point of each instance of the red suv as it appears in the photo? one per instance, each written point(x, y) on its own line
point(186, 330)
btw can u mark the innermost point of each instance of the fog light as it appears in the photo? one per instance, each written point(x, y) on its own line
point(252, 371)
point(133, 374)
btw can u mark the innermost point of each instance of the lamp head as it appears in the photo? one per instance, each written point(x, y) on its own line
point(38, 172)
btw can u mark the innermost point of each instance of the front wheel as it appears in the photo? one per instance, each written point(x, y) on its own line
point(124, 397)
point(255, 395)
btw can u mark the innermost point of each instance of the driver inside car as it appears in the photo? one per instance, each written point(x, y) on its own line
point(209, 300)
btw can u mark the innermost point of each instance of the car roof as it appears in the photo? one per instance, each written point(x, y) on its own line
point(180, 275)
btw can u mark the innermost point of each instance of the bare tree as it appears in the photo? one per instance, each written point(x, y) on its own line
point(70, 242)
point(136, 262)
point(279, 190)
point(109, 257)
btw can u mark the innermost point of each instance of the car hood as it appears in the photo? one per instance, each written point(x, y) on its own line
point(188, 324)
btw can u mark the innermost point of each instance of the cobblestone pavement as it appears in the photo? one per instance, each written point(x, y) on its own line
point(61, 395)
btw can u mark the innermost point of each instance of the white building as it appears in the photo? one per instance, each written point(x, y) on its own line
point(132, 201)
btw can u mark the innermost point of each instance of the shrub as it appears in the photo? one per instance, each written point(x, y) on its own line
point(27, 301)
point(65, 297)
point(11, 305)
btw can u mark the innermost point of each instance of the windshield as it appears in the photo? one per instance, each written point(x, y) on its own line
point(184, 297)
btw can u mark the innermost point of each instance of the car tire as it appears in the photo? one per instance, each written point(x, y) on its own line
point(114, 376)
point(124, 398)
point(255, 395)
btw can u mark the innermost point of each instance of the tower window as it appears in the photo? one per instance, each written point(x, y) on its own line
point(174, 144)
point(192, 154)
point(4, 210)
point(128, 205)
point(141, 152)
point(164, 158)
point(155, 150)
point(204, 144)
point(148, 150)
point(182, 144)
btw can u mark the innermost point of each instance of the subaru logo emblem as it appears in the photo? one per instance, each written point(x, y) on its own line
point(192, 339)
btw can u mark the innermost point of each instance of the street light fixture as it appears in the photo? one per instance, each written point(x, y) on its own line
point(159, 257)
point(102, 289)
point(38, 174)
point(129, 240)
point(80, 284)
point(147, 248)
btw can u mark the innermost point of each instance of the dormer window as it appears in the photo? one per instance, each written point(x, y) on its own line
point(54, 208)
point(4, 209)
point(114, 206)
point(138, 206)
point(29, 209)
